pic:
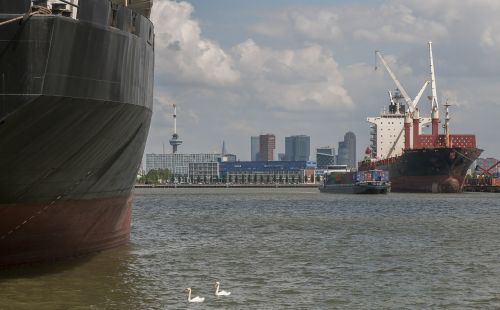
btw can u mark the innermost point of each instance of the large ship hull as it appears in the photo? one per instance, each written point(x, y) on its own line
point(428, 170)
point(75, 111)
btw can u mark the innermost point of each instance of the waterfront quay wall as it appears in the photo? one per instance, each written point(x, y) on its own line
point(222, 185)
point(482, 188)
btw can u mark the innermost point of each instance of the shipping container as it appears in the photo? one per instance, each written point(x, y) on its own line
point(372, 175)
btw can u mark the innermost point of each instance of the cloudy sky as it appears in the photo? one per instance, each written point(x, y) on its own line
point(242, 68)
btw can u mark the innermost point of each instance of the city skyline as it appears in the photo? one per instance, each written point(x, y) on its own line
point(279, 153)
point(236, 70)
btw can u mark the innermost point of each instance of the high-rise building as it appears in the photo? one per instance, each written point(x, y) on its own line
point(347, 151)
point(267, 147)
point(325, 156)
point(350, 141)
point(254, 148)
point(297, 148)
point(224, 150)
point(342, 154)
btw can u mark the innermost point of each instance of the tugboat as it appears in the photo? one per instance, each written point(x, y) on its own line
point(340, 179)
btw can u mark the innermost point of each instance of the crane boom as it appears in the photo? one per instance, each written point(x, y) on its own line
point(434, 102)
point(407, 98)
point(417, 98)
point(390, 98)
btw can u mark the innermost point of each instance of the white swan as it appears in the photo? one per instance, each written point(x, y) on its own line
point(196, 299)
point(220, 293)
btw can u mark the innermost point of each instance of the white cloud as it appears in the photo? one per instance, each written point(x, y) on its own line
point(301, 79)
point(163, 105)
point(322, 25)
point(307, 24)
point(397, 22)
point(391, 22)
point(490, 38)
point(182, 54)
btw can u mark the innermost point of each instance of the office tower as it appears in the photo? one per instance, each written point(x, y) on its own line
point(267, 146)
point(350, 141)
point(254, 148)
point(347, 151)
point(342, 154)
point(224, 150)
point(297, 148)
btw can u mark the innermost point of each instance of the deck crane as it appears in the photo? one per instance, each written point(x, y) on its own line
point(433, 97)
point(412, 111)
point(390, 98)
point(412, 104)
point(434, 105)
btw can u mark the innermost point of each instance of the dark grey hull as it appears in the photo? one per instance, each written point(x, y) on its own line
point(75, 148)
point(356, 188)
point(75, 108)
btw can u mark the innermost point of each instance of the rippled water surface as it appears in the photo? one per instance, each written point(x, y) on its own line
point(283, 249)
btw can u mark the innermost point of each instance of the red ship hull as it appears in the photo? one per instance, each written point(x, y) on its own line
point(429, 184)
point(51, 231)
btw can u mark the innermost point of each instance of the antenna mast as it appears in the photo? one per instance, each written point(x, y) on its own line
point(447, 124)
point(175, 118)
point(175, 141)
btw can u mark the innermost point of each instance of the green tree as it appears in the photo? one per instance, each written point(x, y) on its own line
point(154, 176)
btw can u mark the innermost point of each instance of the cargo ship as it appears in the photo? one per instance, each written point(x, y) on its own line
point(76, 89)
point(341, 180)
point(418, 162)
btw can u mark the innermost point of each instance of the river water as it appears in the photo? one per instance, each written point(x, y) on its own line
point(283, 249)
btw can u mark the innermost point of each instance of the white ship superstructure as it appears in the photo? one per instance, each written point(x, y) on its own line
point(387, 130)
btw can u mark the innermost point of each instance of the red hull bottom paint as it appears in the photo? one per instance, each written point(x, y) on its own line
point(428, 184)
point(43, 232)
